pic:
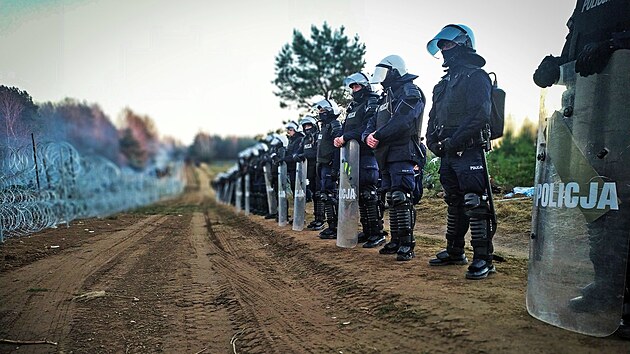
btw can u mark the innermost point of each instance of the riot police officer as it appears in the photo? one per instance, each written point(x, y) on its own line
point(597, 122)
point(394, 131)
point(363, 105)
point(596, 30)
point(459, 115)
point(295, 140)
point(307, 150)
point(328, 162)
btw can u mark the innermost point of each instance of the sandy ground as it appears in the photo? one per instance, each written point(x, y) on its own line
point(191, 276)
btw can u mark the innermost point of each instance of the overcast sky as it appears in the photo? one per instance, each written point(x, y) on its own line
point(195, 65)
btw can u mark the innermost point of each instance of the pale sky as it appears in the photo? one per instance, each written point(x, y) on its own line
point(194, 65)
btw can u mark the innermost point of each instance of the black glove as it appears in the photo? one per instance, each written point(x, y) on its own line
point(548, 72)
point(299, 157)
point(437, 149)
point(593, 58)
point(447, 146)
point(275, 158)
point(334, 174)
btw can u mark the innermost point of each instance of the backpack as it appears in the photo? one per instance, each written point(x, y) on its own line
point(497, 114)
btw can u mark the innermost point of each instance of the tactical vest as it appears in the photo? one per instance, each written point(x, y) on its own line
point(384, 114)
point(449, 100)
point(309, 145)
point(358, 113)
point(325, 146)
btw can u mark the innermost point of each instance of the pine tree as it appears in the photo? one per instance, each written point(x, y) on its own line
point(316, 66)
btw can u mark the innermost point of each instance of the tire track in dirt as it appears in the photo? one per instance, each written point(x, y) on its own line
point(201, 319)
point(344, 311)
point(51, 283)
point(269, 314)
point(377, 319)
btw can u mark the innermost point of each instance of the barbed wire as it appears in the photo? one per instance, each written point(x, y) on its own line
point(53, 184)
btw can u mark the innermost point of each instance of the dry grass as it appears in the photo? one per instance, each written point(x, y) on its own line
point(514, 216)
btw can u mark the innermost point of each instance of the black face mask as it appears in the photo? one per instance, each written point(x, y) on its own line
point(309, 131)
point(327, 117)
point(451, 55)
point(392, 76)
point(359, 95)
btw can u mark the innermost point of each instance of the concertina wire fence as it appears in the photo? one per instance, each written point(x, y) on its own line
point(44, 185)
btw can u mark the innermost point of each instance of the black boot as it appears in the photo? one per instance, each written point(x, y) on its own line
point(405, 251)
point(445, 258)
point(320, 218)
point(480, 269)
point(456, 228)
point(392, 246)
point(330, 205)
point(376, 240)
point(481, 265)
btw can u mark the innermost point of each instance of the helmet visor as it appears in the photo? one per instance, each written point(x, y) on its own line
point(449, 33)
point(356, 78)
point(380, 73)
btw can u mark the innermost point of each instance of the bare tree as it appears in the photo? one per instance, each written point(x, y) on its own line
point(14, 104)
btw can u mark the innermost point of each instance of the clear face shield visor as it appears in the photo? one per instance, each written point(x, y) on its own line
point(380, 73)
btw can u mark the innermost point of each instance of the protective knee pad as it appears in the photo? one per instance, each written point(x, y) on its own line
point(476, 206)
point(480, 239)
point(456, 228)
point(455, 200)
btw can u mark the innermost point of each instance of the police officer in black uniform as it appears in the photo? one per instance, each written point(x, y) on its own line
point(459, 116)
point(363, 105)
point(394, 131)
point(307, 150)
point(596, 30)
point(328, 163)
point(295, 140)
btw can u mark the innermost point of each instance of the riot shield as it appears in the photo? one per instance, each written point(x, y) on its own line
point(247, 193)
point(272, 203)
point(347, 235)
point(580, 216)
point(239, 195)
point(282, 194)
point(299, 198)
point(230, 192)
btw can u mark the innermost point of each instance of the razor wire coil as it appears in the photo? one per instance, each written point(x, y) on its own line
point(56, 185)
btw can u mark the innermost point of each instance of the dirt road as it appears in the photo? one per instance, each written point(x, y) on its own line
point(191, 276)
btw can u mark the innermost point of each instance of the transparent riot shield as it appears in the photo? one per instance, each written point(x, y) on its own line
point(347, 230)
point(272, 202)
point(247, 193)
point(224, 192)
point(299, 197)
point(239, 194)
point(282, 194)
point(580, 216)
point(230, 191)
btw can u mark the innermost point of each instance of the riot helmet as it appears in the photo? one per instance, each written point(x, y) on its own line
point(279, 140)
point(391, 68)
point(461, 35)
point(291, 128)
point(328, 110)
point(312, 122)
point(359, 85)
